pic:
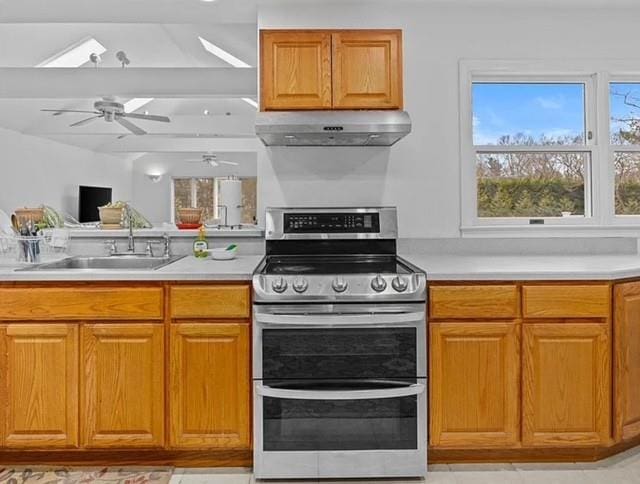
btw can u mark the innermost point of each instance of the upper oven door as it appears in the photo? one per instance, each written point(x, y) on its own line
point(342, 341)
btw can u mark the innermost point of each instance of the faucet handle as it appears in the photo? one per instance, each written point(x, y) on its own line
point(111, 246)
point(148, 251)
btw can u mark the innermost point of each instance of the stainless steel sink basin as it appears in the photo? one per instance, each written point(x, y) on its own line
point(121, 262)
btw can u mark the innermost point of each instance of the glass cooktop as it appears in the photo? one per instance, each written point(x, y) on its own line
point(317, 265)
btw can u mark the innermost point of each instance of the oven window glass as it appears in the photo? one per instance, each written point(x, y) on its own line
point(339, 353)
point(316, 425)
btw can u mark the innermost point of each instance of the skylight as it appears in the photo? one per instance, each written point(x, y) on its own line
point(136, 103)
point(75, 55)
point(229, 59)
point(248, 100)
point(222, 54)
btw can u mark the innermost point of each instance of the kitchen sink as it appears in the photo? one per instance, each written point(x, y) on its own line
point(119, 262)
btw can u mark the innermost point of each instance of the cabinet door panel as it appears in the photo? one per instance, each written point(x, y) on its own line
point(123, 382)
point(295, 70)
point(626, 328)
point(367, 69)
point(566, 384)
point(41, 385)
point(210, 386)
point(475, 372)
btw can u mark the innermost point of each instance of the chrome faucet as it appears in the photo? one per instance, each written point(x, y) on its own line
point(167, 245)
point(131, 247)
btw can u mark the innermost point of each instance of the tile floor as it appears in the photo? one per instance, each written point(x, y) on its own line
point(621, 469)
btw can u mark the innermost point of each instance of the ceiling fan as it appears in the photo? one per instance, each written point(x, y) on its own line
point(212, 160)
point(111, 110)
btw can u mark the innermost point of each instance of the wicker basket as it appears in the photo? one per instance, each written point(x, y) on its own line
point(111, 215)
point(190, 215)
point(33, 215)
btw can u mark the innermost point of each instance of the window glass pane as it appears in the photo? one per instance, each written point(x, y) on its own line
point(528, 113)
point(624, 105)
point(181, 194)
point(249, 199)
point(205, 197)
point(627, 193)
point(531, 184)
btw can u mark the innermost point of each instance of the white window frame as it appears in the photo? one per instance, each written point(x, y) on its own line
point(620, 220)
point(194, 192)
point(526, 72)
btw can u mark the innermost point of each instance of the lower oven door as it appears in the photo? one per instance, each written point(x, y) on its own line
point(340, 391)
point(340, 428)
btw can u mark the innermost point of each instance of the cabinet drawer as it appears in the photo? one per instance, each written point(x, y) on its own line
point(473, 301)
point(95, 303)
point(215, 301)
point(566, 301)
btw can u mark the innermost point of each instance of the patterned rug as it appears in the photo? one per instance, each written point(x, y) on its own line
point(83, 475)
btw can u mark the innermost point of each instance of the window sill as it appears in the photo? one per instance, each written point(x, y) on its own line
point(548, 231)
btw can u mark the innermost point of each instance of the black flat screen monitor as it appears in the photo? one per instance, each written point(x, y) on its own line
point(89, 199)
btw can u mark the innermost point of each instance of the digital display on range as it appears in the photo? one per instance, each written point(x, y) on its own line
point(349, 223)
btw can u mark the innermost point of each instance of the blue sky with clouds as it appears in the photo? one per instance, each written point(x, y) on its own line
point(532, 109)
point(536, 109)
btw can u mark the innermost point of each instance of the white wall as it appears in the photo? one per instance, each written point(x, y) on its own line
point(154, 199)
point(36, 171)
point(421, 173)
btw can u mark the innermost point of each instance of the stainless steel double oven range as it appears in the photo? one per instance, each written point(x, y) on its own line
point(339, 361)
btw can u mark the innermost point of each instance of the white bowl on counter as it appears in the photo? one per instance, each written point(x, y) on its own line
point(223, 254)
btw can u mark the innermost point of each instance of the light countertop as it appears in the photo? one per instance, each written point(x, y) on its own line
point(445, 267)
point(449, 267)
point(187, 269)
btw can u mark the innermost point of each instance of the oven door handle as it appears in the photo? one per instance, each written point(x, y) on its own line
point(409, 390)
point(327, 319)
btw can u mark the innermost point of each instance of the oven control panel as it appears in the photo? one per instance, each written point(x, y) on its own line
point(327, 223)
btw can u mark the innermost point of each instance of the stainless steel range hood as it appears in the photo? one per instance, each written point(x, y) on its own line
point(332, 128)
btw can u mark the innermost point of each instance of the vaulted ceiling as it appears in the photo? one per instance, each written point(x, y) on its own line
point(201, 93)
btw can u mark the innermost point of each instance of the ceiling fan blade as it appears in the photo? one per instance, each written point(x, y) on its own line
point(224, 162)
point(58, 112)
point(148, 117)
point(85, 121)
point(130, 126)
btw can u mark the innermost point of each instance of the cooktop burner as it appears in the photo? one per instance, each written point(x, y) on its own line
point(334, 255)
point(333, 265)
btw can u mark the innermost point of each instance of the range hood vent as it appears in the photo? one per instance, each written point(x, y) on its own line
point(332, 128)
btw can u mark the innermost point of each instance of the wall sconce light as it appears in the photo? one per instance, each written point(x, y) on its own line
point(153, 177)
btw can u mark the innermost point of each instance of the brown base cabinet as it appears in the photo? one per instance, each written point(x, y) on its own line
point(475, 392)
point(626, 329)
point(39, 377)
point(145, 372)
point(123, 385)
point(566, 380)
point(527, 366)
point(210, 385)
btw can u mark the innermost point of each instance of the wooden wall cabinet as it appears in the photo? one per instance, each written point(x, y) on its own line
point(39, 378)
point(321, 69)
point(210, 385)
point(123, 385)
point(566, 384)
point(626, 373)
point(475, 391)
